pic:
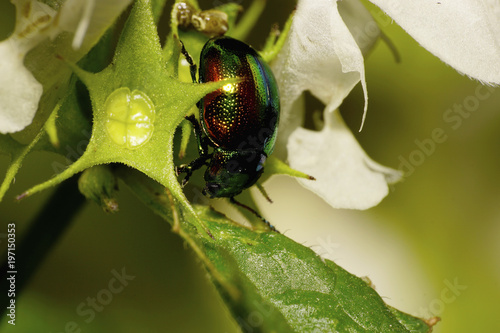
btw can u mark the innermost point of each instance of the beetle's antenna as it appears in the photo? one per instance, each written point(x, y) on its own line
point(254, 212)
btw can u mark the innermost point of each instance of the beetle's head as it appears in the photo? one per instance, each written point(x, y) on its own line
point(229, 173)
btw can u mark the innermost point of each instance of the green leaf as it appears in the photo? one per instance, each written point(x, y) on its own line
point(61, 115)
point(269, 282)
point(16, 153)
point(139, 73)
point(44, 60)
point(273, 284)
point(66, 132)
point(275, 166)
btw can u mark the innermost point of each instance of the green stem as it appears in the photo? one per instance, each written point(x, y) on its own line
point(46, 229)
point(248, 20)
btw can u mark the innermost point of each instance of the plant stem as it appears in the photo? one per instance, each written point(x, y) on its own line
point(44, 232)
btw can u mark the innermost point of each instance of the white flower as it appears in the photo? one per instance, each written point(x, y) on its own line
point(20, 92)
point(465, 34)
point(323, 54)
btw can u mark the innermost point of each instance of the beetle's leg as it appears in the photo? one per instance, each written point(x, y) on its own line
point(192, 65)
point(202, 140)
point(254, 212)
point(188, 169)
point(202, 150)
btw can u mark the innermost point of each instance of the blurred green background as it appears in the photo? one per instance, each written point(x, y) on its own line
point(430, 248)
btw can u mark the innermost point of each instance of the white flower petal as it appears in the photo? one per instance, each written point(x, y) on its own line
point(319, 55)
point(345, 176)
point(360, 23)
point(33, 23)
point(88, 18)
point(19, 90)
point(323, 55)
point(84, 24)
point(463, 33)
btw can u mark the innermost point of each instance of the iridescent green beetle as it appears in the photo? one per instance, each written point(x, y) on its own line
point(239, 120)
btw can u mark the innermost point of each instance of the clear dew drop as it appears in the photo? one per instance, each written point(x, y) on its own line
point(130, 117)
